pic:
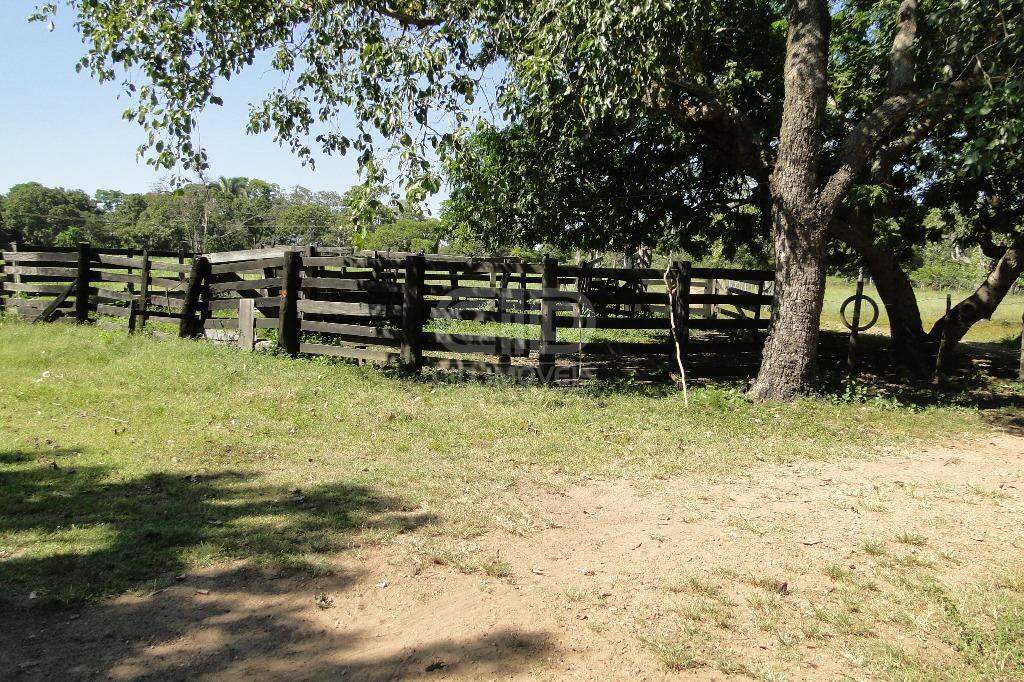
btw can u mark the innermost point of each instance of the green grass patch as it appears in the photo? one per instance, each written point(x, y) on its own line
point(127, 460)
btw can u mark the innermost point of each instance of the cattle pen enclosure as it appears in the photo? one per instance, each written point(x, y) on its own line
point(546, 320)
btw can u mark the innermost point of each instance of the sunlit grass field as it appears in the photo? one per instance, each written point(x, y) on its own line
point(123, 459)
point(1004, 325)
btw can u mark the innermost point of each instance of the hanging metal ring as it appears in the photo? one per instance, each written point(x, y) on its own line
point(862, 327)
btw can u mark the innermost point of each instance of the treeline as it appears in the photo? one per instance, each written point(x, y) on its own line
point(231, 213)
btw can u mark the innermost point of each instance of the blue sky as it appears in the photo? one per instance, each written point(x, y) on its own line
point(63, 128)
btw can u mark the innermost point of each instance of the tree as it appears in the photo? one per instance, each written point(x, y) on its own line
point(609, 188)
point(804, 99)
point(405, 234)
point(983, 209)
point(36, 214)
point(235, 187)
point(305, 217)
point(108, 199)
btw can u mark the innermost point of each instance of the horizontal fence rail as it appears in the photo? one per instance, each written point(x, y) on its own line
point(490, 315)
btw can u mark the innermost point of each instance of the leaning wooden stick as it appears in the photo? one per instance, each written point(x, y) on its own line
point(671, 285)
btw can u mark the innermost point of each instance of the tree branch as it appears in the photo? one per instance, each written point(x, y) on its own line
point(901, 58)
point(406, 18)
point(724, 125)
point(867, 139)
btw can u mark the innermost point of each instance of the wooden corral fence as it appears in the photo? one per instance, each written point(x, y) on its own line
point(492, 315)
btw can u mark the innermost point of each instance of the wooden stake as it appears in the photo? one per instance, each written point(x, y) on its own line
point(1020, 373)
point(189, 328)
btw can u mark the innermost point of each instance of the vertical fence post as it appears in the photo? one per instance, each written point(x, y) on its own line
point(17, 269)
point(246, 324)
point(16, 277)
point(197, 277)
point(851, 357)
point(757, 310)
point(709, 288)
point(288, 317)
point(82, 283)
point(454, 283)
point(309, 252)
point(413, 313)
point(548, 332)
point(129, 286)
point(681, 312)
point(140, 304)
point(147, 267)
point(181, 261)
point(3, 278)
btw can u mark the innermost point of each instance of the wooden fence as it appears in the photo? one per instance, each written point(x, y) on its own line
point(493, 315)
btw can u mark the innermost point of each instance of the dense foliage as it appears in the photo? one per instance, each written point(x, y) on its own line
point(231, 213)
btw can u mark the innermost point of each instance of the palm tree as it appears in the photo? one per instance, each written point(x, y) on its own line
point(236, 187)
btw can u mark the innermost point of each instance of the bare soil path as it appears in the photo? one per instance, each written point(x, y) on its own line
point(805, 571)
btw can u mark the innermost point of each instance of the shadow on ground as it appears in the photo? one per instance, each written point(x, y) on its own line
point(242, 622)
point(985, 377)
point(256, 618)
point(127, 533)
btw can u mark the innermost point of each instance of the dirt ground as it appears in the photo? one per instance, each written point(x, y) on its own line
point(612, 569)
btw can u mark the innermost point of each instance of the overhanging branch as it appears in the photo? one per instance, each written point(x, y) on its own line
point(723, 125)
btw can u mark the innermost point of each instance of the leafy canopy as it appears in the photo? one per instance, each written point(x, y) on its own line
point(695, 80)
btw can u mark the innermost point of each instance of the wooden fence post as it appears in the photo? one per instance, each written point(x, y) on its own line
point(453, 281)
point(129, 286)
point(181, 261)
point(82, 283)
point(681, 307)
point(288, 318)
point(851, 357)
point(548, 331)
point(246, 324)
point(140, 304)
point(3, 273)
point(413, 313)
point(147, 266)
point(755, 333)
point(189, 327)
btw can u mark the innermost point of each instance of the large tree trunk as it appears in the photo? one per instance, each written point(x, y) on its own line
point(980, 305)
point(790, 359)
point(894, 288)
point(790, 355)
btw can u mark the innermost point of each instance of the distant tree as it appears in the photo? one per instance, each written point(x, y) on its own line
point(108, 199)
point(69, 237)
point(37, 214)
point(405, 234)
point(237, 187)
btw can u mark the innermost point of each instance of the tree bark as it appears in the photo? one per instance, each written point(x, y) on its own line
point(980, 305)
point(789, 365)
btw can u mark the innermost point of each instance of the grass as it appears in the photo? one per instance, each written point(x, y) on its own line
point(903, 625)
point(124, 461)
point(1004, 325)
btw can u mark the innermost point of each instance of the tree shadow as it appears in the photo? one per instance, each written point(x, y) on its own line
point(94, 535)
point(983, 379)
point(99, 536)
point(240, 622)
